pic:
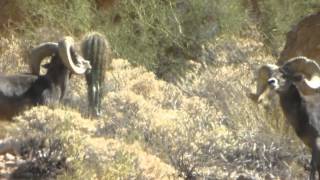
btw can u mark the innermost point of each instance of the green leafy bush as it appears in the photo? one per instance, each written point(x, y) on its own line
point(69, 17)
point(164, 35)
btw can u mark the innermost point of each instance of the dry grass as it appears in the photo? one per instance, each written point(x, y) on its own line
point(203, 126)
point(12, 55)
point(118, 159)
point(205, 120)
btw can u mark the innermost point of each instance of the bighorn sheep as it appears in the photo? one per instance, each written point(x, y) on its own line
point(18, 92)
point(95, 48)
point(297, 83)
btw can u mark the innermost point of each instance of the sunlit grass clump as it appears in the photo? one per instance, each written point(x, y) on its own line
point(204, 120)
point(60, 143)
point(198, 127)
point(52, 142)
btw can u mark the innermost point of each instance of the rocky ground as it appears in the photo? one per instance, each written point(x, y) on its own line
point(8, 164)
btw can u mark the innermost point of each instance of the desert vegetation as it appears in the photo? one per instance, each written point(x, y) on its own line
point(175, 102)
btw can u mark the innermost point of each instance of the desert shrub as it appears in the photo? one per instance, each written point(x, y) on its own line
point(199, 126)
point(117, 159)
point(140, 110)
point(226, 86)
point(184, 135)
point(12, 55)
point(59, 143)
point(70, 17)
point(163, 35)
point(53, 143)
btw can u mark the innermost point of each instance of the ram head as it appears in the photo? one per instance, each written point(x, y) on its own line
point(300, 71)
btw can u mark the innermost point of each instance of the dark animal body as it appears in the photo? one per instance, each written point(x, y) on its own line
point(18, 92)
point(297, 82)
point(95, 48)
point(295, 112)
point(303, 40)
point(306, 128)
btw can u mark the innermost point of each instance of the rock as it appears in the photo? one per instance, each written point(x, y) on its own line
point(9, 156)
point(2, 165)
point(303, 40)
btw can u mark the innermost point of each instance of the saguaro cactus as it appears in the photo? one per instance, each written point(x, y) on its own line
point(95, 48)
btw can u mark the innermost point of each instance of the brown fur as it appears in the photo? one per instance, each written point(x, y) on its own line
point(303, 40)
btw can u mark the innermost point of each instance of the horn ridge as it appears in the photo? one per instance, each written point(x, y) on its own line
point(40, 52)
point(302, 66)
point(308, 73)
point(70, 58)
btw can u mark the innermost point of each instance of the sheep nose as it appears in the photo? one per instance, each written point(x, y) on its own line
point(271, 81)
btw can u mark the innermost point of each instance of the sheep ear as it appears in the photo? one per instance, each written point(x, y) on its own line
point(262, 76)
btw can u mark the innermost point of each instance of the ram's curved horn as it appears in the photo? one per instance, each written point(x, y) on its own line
point(70, 58)
point(39, 53)
point(304, 71)
point(263, 75)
